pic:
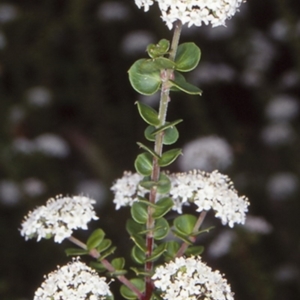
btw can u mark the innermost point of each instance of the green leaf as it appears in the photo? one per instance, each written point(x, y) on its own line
point(169, 156)
point(148, 113)
point(159, 49)
point(144, 77)
point(163, 63)
point(138, 255)
point(194, 250)
point(171, 136)
point(157, 252)
point(105, 244)
point(143, 164)
point(180, 83)
point(163, 184)
point(187, 57)
point(95, 239)
point(134, 228)
point(139, 212)
point(98, 266)
point(172, 248)
point(163, 206)
point(185, 224)
point(148, 149)
point(161, 229)
point(76, 251)
point(118, 263)
point(183, 237)
point(128, 293)
point(147, 183)
point(107, 253)
point(140, 242)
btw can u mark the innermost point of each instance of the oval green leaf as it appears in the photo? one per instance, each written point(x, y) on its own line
point(148, 114)
point(128, 293)
point(95, 239)
point(187, 57)
point(76, 251)
point(143, 164)
point(161, 229)
point(185, 224)
point(134, 228)
point(144, 77)
point(118, 263)
point(163, 184)
point(172, 248)
point(105, 244)
point(180, 83)
point(169, 156)
point(138, 255)
point(194, 250)
point(157, 252)
point(162, 206)
point(139, 212)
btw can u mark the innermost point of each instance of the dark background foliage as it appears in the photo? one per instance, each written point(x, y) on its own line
point(79, 58)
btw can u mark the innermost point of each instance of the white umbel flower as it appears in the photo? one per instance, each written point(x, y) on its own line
point(208, 191)
point(190, 278)
point(194, 12)
point(127, 189)
point(74, 281)
point(58, 218)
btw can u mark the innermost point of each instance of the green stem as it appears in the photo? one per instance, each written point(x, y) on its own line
point(108, 266)
point(166, 75)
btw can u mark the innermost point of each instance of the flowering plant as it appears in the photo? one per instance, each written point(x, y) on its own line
point(150, 192)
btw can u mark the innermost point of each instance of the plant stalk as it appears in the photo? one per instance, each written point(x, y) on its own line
point(166, 75)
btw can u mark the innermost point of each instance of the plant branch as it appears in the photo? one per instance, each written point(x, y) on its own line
point(166, 75)
point(108, 266)
point(198, 224)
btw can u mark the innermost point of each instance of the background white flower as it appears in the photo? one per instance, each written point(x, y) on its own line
point(194, 12)
point(206, 153)
point(74, 281)
point(58, 218)
point(190, 278)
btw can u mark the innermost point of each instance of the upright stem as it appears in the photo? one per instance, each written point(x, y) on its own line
point(166, 75)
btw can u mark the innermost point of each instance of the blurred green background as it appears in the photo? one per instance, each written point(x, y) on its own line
point(69, 125)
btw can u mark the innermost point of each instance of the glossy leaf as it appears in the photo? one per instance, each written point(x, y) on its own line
point(107, 253)
point(95, 239)
point(138, 255)
point(187, 57)
point(163, 184)
point(105, 244)
point(185, 224)
point(128, 293)
point(148, 113)
point(150, 151)
point(139, 212)
point(98, 266)
point(163, 206)
point(161, 229)
point(143, 164)
point(76, 251)
point(169, 156)
point(157, 252)
point(159, 49)
point(181, 84)
point(172, 248)
point(140, 242)
point(194, 250)
point(134, 228)
point(118, 263)
point(183, 237)
point(147, 183)
point(144, 77)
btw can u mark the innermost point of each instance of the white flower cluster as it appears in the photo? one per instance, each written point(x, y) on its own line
point(207, 190)
point(127, 189)
point(190, 278)
point(194, 12)
point(74, 281)
point(58, 218)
